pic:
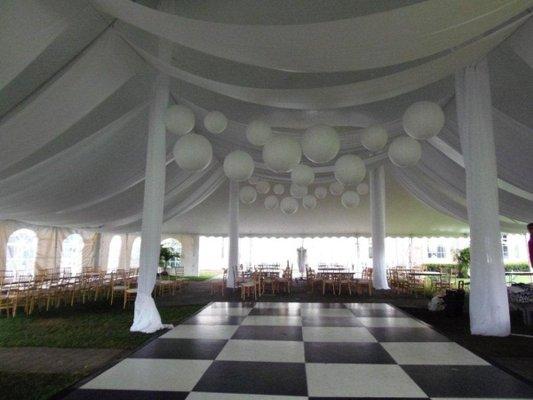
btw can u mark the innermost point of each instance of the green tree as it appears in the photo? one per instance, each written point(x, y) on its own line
point(462, 258)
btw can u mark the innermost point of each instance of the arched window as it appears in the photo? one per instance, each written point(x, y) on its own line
point(175, 245)
point(135, 253)
point(71, 254)
point(114, 253)
point(21, 252)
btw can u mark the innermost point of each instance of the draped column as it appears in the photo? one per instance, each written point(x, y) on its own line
point(233, 259)
point(377, 214)
point(146, 317)
point(489, 307)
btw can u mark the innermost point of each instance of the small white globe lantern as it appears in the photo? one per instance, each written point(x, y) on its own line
point(282, 154)
point(362, 189)
point(405, 151)
point(298, 191)
point(350, 169)
point(215, 122)
point(278, 189)
point(321, 144)
point(302, 175)
point(247, 194)
point(321, 192)
point(179, 119)
point(254, 180)
point(288, 205)
point(238, 166)
point(423, 120)
point(350, 199)
point(258, 133)
point(193, 152)
point(309, 202)
point(263, 187)
point(271, 202)
point(336, 188)
point(374, 138)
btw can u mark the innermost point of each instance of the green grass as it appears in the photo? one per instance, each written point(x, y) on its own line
point(18, 385)
point(202, 277)
point(94, 325)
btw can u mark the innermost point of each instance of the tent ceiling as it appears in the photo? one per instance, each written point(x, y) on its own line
point(76, 82)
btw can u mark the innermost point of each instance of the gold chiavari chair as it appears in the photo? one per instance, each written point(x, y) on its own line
point(365, 283)
point(285, 282)
point(219, 285)
point(345, 280)
point(130, 292)
point(117, 286)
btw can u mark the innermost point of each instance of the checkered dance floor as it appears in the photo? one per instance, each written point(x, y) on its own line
point(277, 350)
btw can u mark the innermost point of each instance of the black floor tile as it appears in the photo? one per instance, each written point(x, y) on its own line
point(232, 304)
point(407, 335)
point(190, 349)
point(214, 320)
point(387, 312)
point(331, 321)
point(275, 311)
point(467, 381)
point(287, 379)
point(351, 353)
point(268, 333)
point(368, 398)
point(104, 394)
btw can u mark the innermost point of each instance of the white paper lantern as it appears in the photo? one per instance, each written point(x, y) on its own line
point(321, 144)
point(215, 122)
point(179, 119)
point(263, 187)
point(297, 190)
point(336, 188)
point(350, 169)
point(405, 151)
point(282, 153)
point(238, 166)
point(423, 120)
point(374, 138)
point(258, 133)
point(271, 202)
point(362, 189)
point(309, 202)
point(321, 192)
point(248, 194)
point(278, 189)
point(350, 199)
point(193, 152)
point(288, 205)
point(302, 175)
point(254, 180)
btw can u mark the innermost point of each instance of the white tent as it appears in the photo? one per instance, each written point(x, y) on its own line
point(77, 79)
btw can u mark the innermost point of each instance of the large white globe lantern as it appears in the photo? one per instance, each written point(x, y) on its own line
point(263, 187)
point(278, 189)
point(374, 138)
point(321, 192)
point(193, 152)
point(258, 133)
point(271, 202)
point(350, 199)
point(238, 166)
point(289, 205)
point(321, 144)
point(282, 154)
point(179, 119)
point(423, 120)
point(350, 169)
point(362, 189)
point(405, 151)
point(302, 175)
point(336, 188)
point(247, 194)
point(215, 122)
point(298, 191)
point(309, 202)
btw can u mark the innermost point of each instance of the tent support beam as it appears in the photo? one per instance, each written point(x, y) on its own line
point(233, 259)
point(377, 215)
point(489, 306)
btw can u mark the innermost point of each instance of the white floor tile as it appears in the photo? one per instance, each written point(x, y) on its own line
point(431, 353)
point(336, 334)
point(151, 374)
point(369, 306)
point(360, 380)
point(388, 322)
point(230, 311)
point(263, 350)
point(272, 320)
point(236, 396)
point(201, 332)
point(274, 304)
point(326, 312)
